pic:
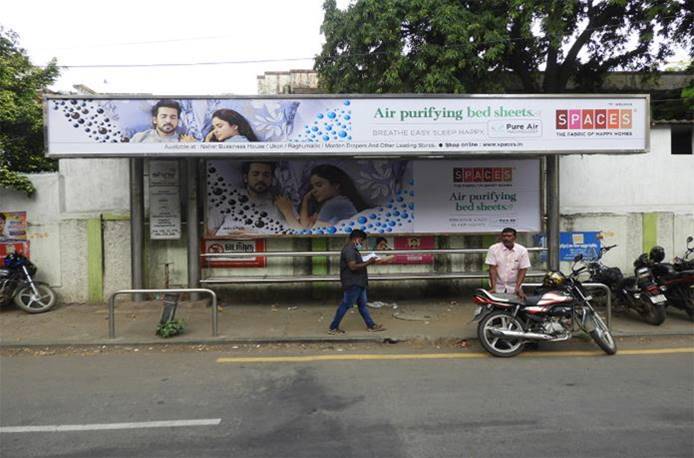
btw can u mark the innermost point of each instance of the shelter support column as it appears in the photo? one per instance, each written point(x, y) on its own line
point(137, 226)
point(553, 214)
point(193, 227)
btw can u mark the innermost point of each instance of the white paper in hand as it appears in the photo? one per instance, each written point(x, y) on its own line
point(370, 256)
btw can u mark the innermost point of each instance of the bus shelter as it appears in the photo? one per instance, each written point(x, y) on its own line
point(323, 165)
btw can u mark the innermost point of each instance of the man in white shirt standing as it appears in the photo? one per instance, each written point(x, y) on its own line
point(508, 263)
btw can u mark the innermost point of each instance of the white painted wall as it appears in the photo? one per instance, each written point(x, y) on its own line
point(43, 221)
point(652, 182)
point(94, 185)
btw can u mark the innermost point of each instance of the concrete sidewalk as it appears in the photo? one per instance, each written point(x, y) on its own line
point(439, 319)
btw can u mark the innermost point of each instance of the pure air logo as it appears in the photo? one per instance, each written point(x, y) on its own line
point(482, 174)
point(594, 119)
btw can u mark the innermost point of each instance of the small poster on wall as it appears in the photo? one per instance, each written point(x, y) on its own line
point(13, 233)
point(13, 226)
point(233, 247)
point(164, 201)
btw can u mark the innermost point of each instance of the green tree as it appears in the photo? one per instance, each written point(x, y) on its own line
point(21, 114)
point(458, 46)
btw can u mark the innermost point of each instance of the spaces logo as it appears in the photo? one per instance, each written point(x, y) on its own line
point(482, 174)
point(594, 119)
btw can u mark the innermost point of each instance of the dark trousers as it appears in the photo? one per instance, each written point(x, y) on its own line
point(351, 295)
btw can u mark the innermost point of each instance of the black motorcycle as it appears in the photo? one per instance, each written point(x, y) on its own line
point(639, 293)
point(17, 284)
point(554, 313)
point(676, 280)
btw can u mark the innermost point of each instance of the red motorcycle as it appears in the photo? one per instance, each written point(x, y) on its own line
point(560, 308)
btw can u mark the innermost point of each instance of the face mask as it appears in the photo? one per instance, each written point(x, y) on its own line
point(358, 246)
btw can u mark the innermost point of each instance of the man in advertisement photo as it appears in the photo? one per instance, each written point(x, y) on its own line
point(166, 115)
point(508, 263)
point(261, 195)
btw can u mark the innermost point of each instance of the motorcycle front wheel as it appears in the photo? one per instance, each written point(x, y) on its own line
point(601, 334)
point(35, 303)
point(500, 346)
point(652, 313)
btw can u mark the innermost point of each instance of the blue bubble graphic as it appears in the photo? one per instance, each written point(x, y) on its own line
point(326, 138)
point(342, 134)
point(332, 115)
point(319, 115)
point(346, 102)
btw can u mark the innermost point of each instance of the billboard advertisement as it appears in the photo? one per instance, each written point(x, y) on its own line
point(344, 126)
point(335, 196)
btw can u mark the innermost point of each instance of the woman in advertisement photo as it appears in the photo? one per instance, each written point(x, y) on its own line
point(229, 126)
point(332, 197)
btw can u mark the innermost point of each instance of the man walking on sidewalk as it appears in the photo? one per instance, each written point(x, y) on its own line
point(354, 279)
point(508, 262)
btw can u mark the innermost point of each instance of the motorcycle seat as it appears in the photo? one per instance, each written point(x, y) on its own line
point(532, 300)
point(501, 297)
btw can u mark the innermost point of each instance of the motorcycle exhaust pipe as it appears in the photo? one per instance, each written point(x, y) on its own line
point(520, 335)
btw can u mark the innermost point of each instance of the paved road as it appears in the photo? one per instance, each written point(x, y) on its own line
point(538, 406)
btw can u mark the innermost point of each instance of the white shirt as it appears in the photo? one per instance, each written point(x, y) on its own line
point(508, 263)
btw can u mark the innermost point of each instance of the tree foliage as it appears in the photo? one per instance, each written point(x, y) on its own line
point(21, 114)
point(458, 46)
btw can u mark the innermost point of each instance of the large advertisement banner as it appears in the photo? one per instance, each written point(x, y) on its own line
point(345, 126)
point(332, 197)
point(477, 196)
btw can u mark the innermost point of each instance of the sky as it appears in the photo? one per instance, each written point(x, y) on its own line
point(283, 33)
point(79, 32)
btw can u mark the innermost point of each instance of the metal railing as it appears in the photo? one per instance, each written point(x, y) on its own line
point(337, 253)
point(112, 305)
point(608, 295)
point(335, 277)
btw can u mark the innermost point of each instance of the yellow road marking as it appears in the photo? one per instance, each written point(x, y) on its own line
point(416, 356)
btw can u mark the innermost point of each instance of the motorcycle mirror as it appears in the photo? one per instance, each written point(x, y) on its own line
point(578, 257)
point(689, 239)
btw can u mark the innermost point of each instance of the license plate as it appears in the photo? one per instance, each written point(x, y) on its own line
point(658, 298)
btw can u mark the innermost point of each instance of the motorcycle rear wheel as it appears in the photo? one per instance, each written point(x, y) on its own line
point(653, 313)
point(498, 346)
point(32, 303)
point(601, 335)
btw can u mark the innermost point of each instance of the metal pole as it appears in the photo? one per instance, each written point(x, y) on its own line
point(137, 225)
point(193, 235)
point(553, 214)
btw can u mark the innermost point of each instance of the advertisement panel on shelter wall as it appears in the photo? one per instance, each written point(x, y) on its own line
point(331, 197)
point(347, 126)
